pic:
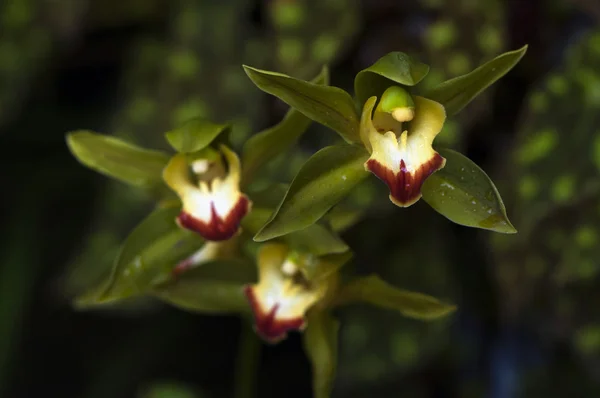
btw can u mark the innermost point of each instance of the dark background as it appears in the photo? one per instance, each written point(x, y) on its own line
point(527, 324)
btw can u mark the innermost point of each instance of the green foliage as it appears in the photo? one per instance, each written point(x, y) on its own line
point(330, 106)
point(214, 287)
point(341, 217)
point(374, 290)
point(458, 92)
point(325, 179)
point(147, 257)
point(194, 135)
point(321, 346)
point(118, 159)
point(316, 238)
point(190, 73)
point(463, 193)
point(393, 68)
point(307, 215)
point(262, 147)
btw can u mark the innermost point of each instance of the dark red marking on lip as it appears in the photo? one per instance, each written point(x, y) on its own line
point(218, 229)
point(266, 324)
point(405, 187)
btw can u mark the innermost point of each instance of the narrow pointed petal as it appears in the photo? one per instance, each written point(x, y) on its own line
point(428, 120)
point(176, 175)
point(366, 122)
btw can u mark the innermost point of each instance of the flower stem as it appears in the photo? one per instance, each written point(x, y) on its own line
point(247, 362)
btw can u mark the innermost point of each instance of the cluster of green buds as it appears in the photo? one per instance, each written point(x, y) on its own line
point(204, 248)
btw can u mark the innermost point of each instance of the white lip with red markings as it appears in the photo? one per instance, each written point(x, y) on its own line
point(403, 159)
point(282, 295)
point(215, 208)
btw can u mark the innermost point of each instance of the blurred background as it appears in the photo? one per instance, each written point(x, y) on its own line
point(528, 323)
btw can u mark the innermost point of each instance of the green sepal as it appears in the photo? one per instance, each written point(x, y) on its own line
point(211, 288)
point(324, 180)
point(341, 218)
point(374, 290)
point(330, 106)
point(395, 68)
point(195, 135)
point(316, 239)
point(147, 257)
point(463, 193)
point(320, 342)
point(118, 159)
point(456, 93)
point(265, 145)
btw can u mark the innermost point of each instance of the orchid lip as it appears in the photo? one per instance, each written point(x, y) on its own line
point(266, 323)
point(403, 159)
point(405, 186)
point(282, 296)
point(217, 228)
point(212, 208)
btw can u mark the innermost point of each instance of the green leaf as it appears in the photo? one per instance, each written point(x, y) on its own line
point(464, 194)
point(393, 68)
point(330, 106)
point(264, 146)
point(456, 93)
point(321, 345)
point(118, 159)
point(213, 287)
point(325, 179)
point(373, 290)
point(269, 196)
point(315, 239)
point(194, 135)
point(147, 257)
point(340, 218)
